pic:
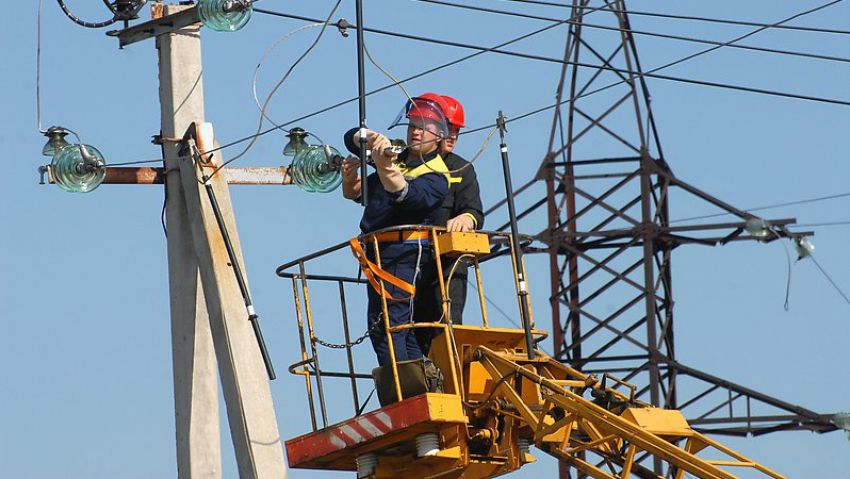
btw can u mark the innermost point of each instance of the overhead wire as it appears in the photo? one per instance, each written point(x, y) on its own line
point(813, 56)
point(645, 33)
point(761, 28)
point(651, 73)
point(492, 10)
point(648, 74)
point(378, 90)
point(483, 147)
point(410, 99)
point(788, 259)
point(262, 108)
point(693, 18)
point(395, 82)
point(495, 49)
point(811, 225)
point(116, 15)
point(829, 278)
point(83, 23)
point(260, 132)
point(38, 70)
point(503, 313)
point(777, 205)
point(139, 162)
point(481, 50)
point(747, 35)
point(260, 64)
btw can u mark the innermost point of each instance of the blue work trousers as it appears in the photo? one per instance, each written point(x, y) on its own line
point(400, 259)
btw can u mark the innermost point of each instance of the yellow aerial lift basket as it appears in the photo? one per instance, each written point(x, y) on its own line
point(495, 403)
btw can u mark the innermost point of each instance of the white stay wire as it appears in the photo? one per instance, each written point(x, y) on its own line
point(277, 87)
point(263, 107)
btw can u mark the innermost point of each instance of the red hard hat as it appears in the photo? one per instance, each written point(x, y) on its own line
point(429, 106)
point(425, 107)
point(454, 112)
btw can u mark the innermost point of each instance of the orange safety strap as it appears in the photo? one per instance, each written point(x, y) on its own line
point(370, 270)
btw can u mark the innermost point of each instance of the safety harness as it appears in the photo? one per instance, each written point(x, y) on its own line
point(371, 271)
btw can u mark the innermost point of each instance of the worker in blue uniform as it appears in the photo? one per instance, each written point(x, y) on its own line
point(405, 189)
point(461, 211)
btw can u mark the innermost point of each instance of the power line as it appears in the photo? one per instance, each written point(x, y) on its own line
point(644, 33)
point(253, 138)
point(503, 313)
point(695, 18)
point(118, 14)
point(495, 49)
point(826, 275)
point(810, 225)
point(436, 40)
point(598, 67)
point(138, 162)
point(760, 29)
point(734, 22)
point(814, 56)
point(681, 60)
point(38, 70)
point(778, 205)
point(383, 88)
point(489, 10)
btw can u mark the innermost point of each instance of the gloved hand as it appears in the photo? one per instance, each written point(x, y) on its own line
point(388, 171)
point(379, 144)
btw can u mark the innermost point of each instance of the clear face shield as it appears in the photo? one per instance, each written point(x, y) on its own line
point(426, 115)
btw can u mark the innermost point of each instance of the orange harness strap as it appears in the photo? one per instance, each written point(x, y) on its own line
point(370, 270)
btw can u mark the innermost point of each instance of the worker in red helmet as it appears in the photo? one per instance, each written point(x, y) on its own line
point(462, 206)
point(405, 189)
point(461, 211)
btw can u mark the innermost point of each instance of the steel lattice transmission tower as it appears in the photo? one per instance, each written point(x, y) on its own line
point(609, 237)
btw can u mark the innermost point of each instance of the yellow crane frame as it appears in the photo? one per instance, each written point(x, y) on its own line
point(495, 402)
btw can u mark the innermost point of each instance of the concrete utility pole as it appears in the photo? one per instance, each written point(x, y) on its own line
point(195, 380)
point(209, 319)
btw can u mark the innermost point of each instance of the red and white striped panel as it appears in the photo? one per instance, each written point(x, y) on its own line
point(356, 431)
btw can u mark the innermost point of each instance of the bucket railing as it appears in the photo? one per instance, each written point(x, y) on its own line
point(500, 244)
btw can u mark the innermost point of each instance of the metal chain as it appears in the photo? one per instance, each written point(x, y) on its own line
point(353, 343)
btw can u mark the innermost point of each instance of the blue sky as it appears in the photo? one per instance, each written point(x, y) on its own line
point(85, 361)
